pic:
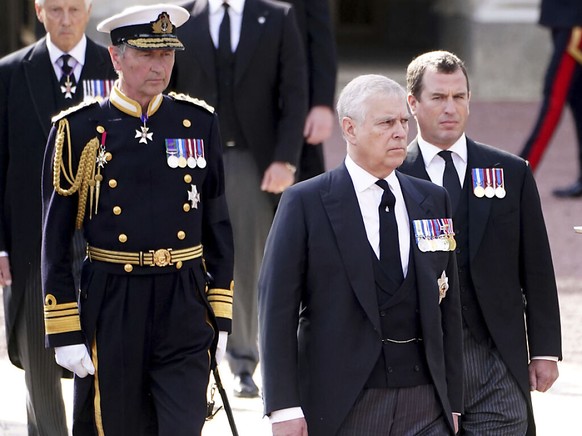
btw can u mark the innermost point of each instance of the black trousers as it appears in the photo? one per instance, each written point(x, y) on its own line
point(150, 348)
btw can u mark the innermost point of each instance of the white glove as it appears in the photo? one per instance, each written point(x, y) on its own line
point(221, 347)
point(75, 358)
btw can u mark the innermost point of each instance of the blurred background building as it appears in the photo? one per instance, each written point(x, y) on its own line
point(500, 40)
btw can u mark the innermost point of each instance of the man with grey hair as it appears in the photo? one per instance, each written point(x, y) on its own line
point(511, 319)
point(358, 300)
point(36, 83)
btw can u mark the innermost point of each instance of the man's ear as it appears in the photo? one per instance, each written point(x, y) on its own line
point(412, 103)
point(38, 10)
point(114, 57)
point(349, 129)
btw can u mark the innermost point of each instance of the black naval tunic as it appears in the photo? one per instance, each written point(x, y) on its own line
point(157, 281)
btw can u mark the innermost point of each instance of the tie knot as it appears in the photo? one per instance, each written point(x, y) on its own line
point(446, 155)
point(388, 198)
point(66, 67)
point(225, 5)
point(383, 184)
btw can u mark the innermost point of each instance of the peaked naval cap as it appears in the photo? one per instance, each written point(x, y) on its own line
point(150, 27)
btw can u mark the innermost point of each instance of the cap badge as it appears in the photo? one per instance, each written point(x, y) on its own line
point(162, 24)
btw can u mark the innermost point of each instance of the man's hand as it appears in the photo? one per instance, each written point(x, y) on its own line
point(75, 358)
point(456, 422)
point(293, 427)
point(5, 276)
point(318, 125)
point(278, 177)
point(542, 374)
point(221, 347)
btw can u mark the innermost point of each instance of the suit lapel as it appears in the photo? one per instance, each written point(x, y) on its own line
point(415, 163)
point(37, 69)
point(420, 206)
point(479, 208)
point(343, 211)
point(254, 21)
point(197, 34)
point(96, 66)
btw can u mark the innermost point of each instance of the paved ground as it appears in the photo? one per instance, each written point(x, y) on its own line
point(504, 125)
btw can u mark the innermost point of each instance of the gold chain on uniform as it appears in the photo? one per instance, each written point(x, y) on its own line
point(85, 176)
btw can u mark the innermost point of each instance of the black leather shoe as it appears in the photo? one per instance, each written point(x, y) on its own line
point(572, 191)
point(244, 386)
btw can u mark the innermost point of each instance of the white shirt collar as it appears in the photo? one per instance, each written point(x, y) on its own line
point(78, 52)
point(363, 180)
point(236, 6)
point(429, 151)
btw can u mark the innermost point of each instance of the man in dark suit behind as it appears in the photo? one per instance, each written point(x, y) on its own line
point(34, 85)
point(361, 327)
point(314, 22)
point(512, 339)
point(246, 59)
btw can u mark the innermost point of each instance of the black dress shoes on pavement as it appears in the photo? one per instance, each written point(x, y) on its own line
point(244, 386)
point(572, 191)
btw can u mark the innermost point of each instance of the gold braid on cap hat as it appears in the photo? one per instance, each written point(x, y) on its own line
point(85, 176)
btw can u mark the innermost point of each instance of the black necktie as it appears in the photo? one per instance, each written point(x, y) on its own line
point(67, 83)
point(389, 245)
point(451, 178)
point(224, 44)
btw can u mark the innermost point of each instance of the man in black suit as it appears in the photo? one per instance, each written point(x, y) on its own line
point(246, 59)
point(34, 85)
point(358, 299)
point(563, 84)
point(314, 22)
point(512, 338)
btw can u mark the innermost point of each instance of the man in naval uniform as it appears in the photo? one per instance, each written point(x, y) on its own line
point(35, 84)
point(142, 174)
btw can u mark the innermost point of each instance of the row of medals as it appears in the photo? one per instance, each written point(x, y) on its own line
point(488, 182)
point(441, 243)
point(435, 234)
point(185, 153)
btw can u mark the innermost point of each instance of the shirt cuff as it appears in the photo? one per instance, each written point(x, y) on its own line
point(3, 254)
point(286, 414)
point(552, 358)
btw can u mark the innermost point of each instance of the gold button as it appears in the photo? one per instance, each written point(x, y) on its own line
point(108, 156)
point(181, 234)
point(100, 129)
point(122, 238)
point(179, 264)
point(117, 210)
point(128, 267)
point(113, 183)
point(186, 123)
point(187, 178)
point(186, 207)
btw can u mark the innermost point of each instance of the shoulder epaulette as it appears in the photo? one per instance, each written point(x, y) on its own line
point(196, 101)
point(76, 108)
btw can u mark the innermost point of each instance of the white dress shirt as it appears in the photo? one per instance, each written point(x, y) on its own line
point(77, 54)
point(369, 196)
point(215, 15)
point(435, 165)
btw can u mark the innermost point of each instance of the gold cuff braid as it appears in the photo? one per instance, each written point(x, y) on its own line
point(85, 175)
